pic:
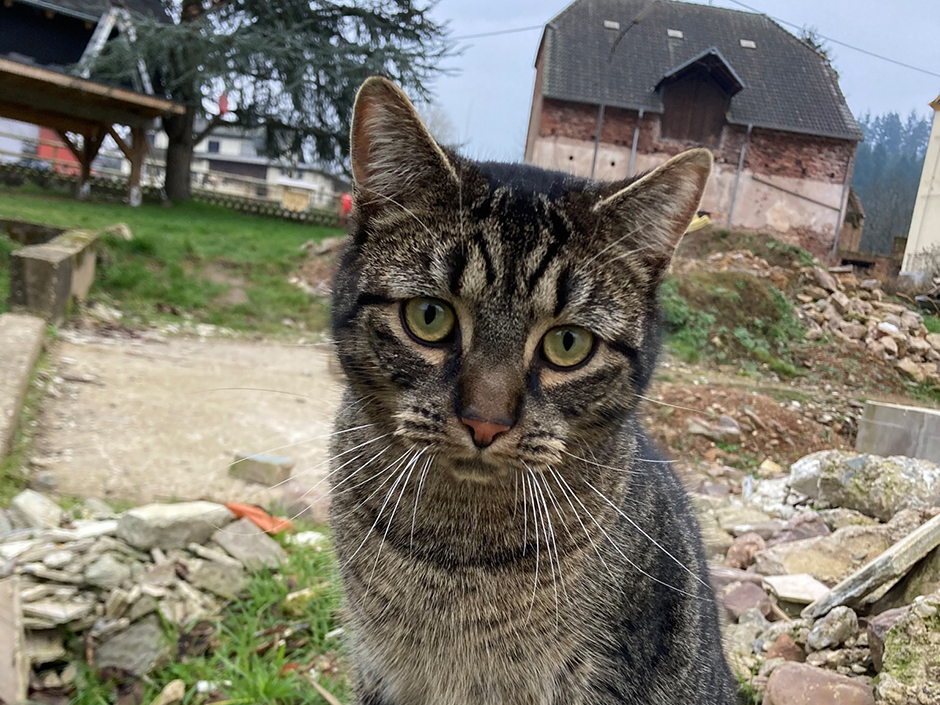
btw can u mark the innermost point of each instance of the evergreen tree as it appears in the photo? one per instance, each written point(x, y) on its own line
point(291, 67)
point(887, 173)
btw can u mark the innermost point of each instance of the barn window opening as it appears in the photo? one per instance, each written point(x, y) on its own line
point(696, 97)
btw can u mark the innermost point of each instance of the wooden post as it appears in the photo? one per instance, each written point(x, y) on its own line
point(135, 153)
point(91, 143)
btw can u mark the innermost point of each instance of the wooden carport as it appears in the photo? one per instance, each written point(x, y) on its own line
point(70, 104)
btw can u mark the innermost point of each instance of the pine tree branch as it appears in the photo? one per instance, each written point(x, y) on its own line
point(213, 123)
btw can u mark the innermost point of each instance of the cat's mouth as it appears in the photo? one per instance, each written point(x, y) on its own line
point(477, 470)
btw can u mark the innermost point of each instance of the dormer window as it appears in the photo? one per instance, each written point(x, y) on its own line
point(696, 96)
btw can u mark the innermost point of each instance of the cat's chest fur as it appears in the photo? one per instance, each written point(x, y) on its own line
point(473, 638)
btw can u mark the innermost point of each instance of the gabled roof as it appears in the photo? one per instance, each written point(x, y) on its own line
point(712, 61)
point(786, 84)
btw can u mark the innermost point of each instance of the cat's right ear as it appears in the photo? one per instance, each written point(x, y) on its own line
point(394, 157)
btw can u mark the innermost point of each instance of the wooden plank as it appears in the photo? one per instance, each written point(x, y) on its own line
point(54, 121)
point(73, 148)
point(58, 101)
point(119, 141)
point(893, 563)
point(153, 105)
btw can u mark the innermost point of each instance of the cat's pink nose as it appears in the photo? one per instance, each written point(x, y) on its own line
point(484, 432)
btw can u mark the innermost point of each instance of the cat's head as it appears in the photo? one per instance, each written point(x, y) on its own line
point(499, 314)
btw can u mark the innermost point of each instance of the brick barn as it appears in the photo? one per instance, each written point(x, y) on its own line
point(656, 78)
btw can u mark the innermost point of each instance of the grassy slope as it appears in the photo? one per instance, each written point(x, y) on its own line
point(222, 267)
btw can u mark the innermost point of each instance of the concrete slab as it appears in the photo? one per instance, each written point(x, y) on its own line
point(894, 429)
point(14, 666)
point(164, 419)
point(21, 339)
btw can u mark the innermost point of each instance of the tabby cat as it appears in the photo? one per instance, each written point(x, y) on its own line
point(507, 534)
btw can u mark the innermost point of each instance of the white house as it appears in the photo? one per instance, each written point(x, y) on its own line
point(924, 234)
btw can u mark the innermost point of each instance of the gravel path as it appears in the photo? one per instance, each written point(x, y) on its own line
point(155, 420)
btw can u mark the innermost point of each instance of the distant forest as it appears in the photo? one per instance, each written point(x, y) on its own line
point(887, 173)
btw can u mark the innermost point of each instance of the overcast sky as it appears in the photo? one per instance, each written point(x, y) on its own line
point(488, 98)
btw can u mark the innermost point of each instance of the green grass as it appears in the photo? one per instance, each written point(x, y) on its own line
point(216, 265)
point(704, 242)
point(12, 467)
point(730, 318)
point(6, 247)
point(932, 323)
point(232, 650)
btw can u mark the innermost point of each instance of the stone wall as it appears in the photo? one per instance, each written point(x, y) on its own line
point(791, 185)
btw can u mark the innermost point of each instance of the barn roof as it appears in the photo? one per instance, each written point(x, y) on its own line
point(617, 52)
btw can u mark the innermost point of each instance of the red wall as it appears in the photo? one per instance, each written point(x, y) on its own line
point(769, 152)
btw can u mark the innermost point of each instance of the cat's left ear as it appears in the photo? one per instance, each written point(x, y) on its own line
point(394, 157)
point(649, 215)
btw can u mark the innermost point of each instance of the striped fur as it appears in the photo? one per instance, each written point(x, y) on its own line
point(562, 564)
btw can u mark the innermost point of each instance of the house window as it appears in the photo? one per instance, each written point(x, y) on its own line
point(213, 147)
point(694, 109)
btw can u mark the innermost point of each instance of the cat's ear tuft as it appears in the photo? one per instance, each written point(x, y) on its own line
point(393, 154)
point(650, 214)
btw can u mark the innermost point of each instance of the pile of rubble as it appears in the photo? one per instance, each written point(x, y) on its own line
point(829, 578)
point(102, 585)
point(855, 311)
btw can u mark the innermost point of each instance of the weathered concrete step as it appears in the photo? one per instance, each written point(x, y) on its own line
point(21, 339)
point(893, 429)
point(45, 277)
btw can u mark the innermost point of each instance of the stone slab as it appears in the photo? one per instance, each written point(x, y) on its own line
point(14, 666)
point(250, 545)
point(168, 526)
point(21, 339)
point(137, 649)
point(800, 588)
point(895, 429)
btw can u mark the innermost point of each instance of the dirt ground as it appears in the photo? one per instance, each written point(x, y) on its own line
point(136, 419)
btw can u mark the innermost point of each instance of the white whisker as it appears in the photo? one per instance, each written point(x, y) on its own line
point(640, 529)
point(410, 468)
point(414, 512)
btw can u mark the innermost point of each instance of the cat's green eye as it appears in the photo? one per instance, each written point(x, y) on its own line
point(430, 320)
point(567, 346)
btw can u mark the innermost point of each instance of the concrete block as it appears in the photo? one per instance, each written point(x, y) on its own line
point(45, 277)
point(267, 470)
point(894, 429)
point(40, 281)
point(14, 665)
point(21, 339)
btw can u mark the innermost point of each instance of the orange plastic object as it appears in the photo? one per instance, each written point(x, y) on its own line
point(260, 518)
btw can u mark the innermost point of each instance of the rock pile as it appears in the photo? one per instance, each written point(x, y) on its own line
point(829, 580)
point(855, 311)
point(102, 585)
